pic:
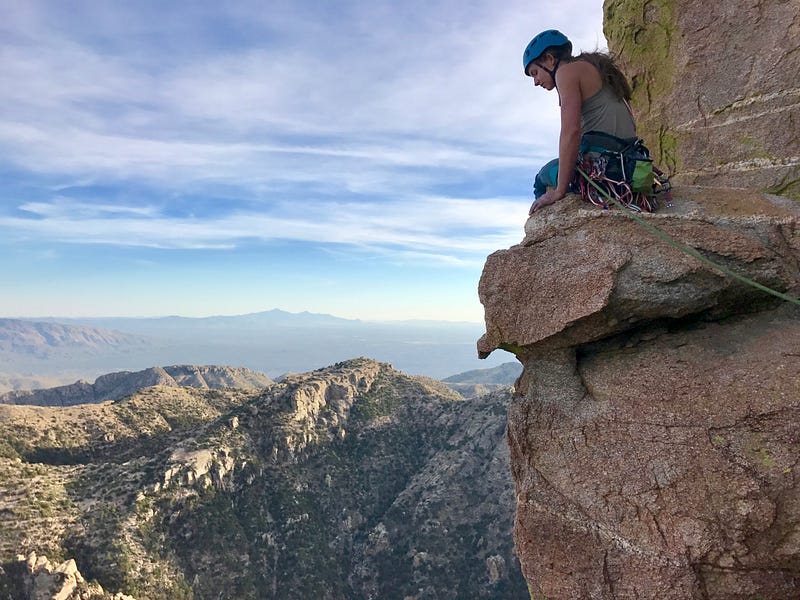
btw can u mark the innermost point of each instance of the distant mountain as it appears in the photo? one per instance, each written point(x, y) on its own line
point(120, 385)
point(44, 339)
point(352, 481)
point(272, 342)
point(479, 382)
point(268, 319)
point(505, 374)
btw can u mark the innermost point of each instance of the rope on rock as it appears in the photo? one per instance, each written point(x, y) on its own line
point(688, 250)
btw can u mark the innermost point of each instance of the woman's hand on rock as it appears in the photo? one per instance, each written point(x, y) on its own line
point(548, 198)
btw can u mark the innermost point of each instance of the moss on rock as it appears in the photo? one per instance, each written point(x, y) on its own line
point(641, 36)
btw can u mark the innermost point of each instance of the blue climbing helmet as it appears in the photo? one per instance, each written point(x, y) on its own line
point(542, 42)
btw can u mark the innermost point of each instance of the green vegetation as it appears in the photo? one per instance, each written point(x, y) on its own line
point(286, 526)
point(378, 401)
point(789, 186)
point(12, 448)
point(641, 35)
point(666, 150)
point(515, 350)
point(763, 457)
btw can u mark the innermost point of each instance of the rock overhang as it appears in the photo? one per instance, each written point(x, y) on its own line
point(582, 273)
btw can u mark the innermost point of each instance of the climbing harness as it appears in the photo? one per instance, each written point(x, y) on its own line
point(621, 168)
point(632, 211)
point(603, 186)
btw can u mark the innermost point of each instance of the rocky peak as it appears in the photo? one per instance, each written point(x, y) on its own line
point(40, 579)
point(652, 432)
point(333, 388)
point(317, 406)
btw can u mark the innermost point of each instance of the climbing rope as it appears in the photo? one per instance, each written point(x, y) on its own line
point(686, 249)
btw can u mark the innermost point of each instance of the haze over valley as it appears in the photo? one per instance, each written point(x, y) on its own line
point(44, 353)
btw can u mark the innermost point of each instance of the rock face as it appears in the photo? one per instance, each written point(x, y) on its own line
point(124, 383)
point(42, 580)
point(654, 431)
point(716, 91)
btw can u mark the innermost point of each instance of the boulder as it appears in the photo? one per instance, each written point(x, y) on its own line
point(43, 580)
point(583, 274)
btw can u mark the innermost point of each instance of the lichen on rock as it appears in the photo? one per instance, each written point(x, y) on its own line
point(715, 87)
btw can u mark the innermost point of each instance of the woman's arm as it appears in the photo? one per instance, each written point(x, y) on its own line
point(569, 89)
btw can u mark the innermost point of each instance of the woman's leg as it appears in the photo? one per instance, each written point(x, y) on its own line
point(546, 177)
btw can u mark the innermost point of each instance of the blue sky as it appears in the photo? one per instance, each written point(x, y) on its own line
point(202, 158)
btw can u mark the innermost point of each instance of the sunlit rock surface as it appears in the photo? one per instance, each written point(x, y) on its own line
point(716, 88)
point(653, 433)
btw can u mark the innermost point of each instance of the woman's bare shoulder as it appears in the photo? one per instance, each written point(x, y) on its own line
point(586, 74)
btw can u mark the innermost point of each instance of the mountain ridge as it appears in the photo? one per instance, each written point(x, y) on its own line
point(114, 386)
point(351, 481)
point(278, 343)
point(40, 337)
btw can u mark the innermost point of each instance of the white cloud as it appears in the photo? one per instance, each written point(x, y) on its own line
point(464, 228)
point(63, 207)
point(448, 76)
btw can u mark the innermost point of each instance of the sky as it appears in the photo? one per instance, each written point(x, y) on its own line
point(357, 158)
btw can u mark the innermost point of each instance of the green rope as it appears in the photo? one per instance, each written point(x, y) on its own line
point(686, 249)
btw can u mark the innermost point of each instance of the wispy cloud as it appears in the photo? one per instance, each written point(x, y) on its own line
point(63, 208)
point(424, 93)
point(462, 227)
point(396, 132)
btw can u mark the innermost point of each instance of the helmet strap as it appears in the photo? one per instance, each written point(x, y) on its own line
point(552, 73)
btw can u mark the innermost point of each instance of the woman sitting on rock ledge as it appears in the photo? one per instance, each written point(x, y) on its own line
point(594, 96)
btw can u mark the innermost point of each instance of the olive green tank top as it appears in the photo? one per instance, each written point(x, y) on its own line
point(607, 113)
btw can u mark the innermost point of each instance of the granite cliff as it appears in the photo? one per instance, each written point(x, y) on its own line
point(354, 481)
point(715, 87)
point(654, 430)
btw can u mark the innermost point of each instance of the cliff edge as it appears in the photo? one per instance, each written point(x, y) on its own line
point(653, 432)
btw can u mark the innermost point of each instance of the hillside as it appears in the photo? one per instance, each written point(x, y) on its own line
point(479, 382)
point(504, 374)
point(41, 354)
point(354, 481)
point(115, 386)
